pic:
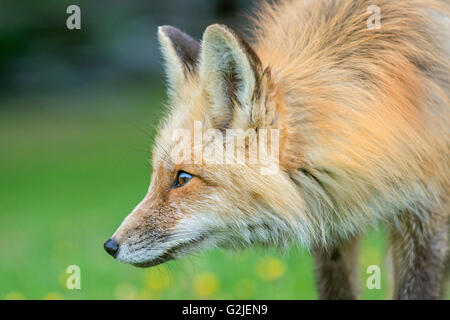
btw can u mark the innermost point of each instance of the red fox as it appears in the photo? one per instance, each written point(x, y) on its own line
point(361, 114)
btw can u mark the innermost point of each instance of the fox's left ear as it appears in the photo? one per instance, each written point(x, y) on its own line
point(232, 75)
point(180, 53)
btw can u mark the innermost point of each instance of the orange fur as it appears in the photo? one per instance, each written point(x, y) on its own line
point(363, 116)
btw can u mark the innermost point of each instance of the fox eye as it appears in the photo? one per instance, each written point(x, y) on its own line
point(182, 178)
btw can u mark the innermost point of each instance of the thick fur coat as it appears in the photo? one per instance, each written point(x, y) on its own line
point(363, 116)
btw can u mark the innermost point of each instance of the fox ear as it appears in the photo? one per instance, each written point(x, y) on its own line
point(180, 53)
point(230, 72)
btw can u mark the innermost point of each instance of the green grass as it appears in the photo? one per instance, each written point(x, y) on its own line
point(71, 168)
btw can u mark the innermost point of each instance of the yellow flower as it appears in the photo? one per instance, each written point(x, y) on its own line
point(270, 268)
point(206, 284)
point(148, 295)
point(157, 279)
point(370, 255)
point(14, 296)
point(125, 291)
point(52, 296)
point(62, 279)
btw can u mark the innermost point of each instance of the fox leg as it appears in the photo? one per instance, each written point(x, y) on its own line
point(446, 286)
point(337, 270)
point(419, 247)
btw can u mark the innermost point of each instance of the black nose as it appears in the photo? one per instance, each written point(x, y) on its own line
point(111, 246)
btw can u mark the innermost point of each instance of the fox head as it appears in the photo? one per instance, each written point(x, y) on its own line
point(201, 194)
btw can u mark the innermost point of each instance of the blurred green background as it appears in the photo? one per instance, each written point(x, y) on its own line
point(78, 111)
point(69, 175)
